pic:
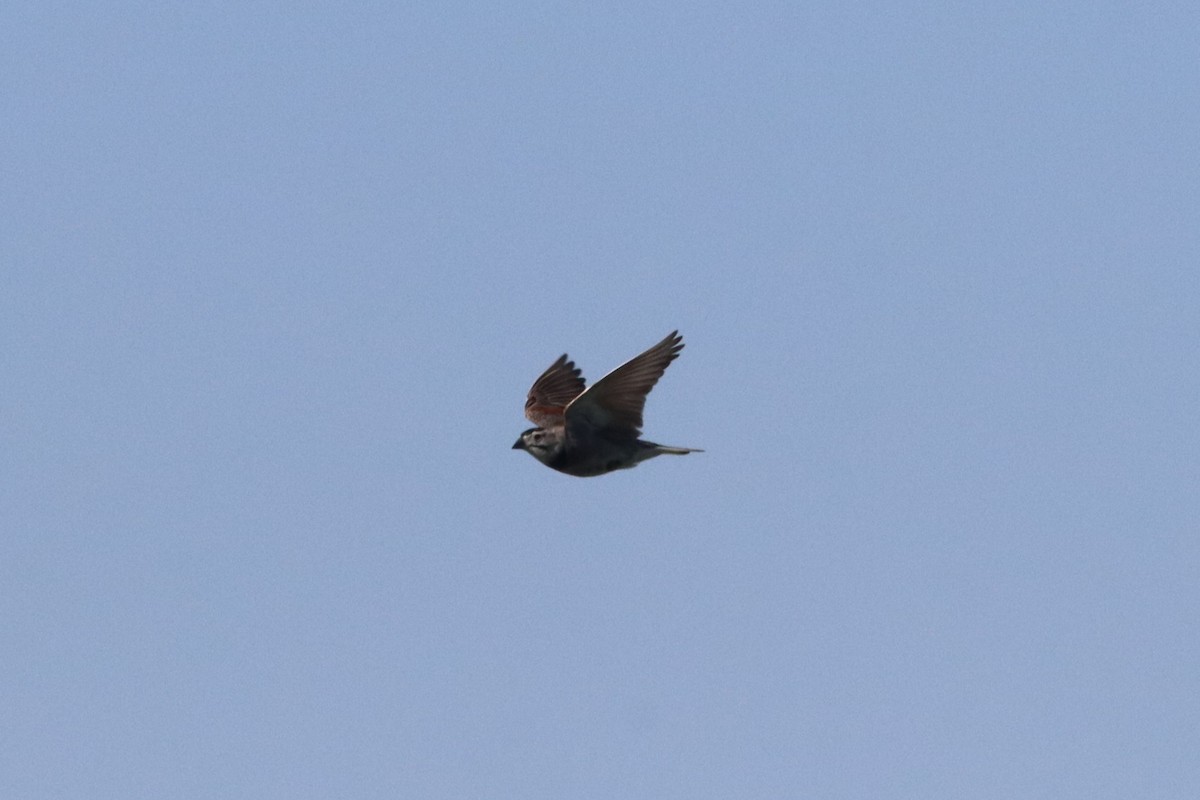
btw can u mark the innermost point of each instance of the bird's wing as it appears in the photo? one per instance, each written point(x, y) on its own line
point(615, 402)
point(550, 393)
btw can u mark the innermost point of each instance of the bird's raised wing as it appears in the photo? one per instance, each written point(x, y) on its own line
point(550, 393)
point(615, 402)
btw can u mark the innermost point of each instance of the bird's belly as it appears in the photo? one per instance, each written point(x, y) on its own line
point(587, 462)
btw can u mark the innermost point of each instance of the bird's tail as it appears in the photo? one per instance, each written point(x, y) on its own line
point(676, 451)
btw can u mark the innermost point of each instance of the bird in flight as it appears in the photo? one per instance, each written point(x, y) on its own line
point(586, 432)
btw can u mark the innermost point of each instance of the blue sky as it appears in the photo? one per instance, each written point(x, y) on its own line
point(275, 281)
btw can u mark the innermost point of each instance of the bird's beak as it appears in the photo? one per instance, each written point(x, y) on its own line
point(520, 445)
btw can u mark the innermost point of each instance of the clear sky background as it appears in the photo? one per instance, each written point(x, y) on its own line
point(274, 281)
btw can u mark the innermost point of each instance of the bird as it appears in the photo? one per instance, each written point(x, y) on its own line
point(592, 431)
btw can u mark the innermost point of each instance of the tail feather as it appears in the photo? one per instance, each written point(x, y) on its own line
point(676, 451)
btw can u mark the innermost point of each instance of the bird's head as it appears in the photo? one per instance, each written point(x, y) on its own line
point(538, 442)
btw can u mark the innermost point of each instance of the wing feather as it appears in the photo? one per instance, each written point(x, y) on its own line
point(552, 391)
point(615, 402)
